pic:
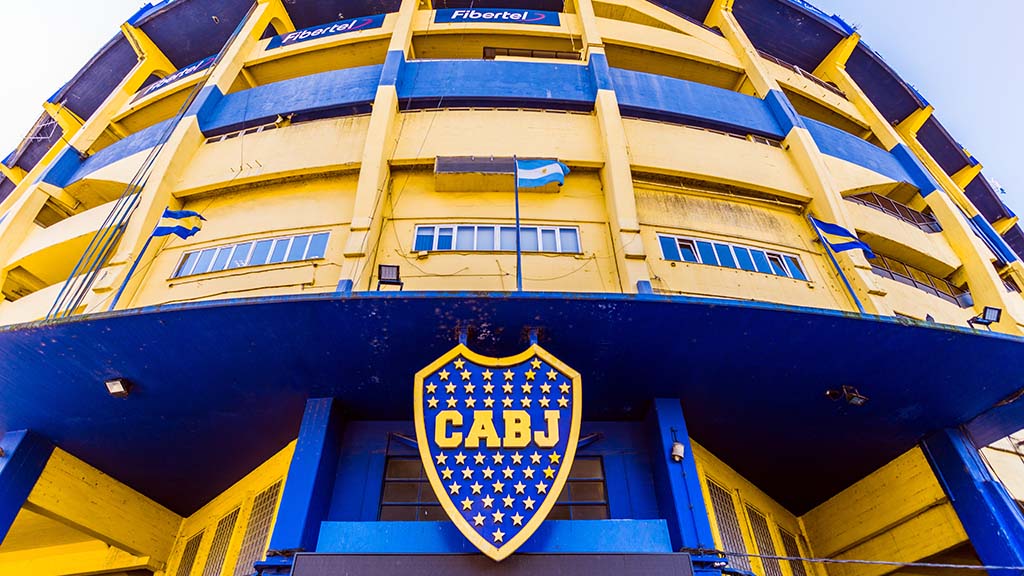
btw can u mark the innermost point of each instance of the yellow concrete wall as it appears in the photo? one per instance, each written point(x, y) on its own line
point(898, 513)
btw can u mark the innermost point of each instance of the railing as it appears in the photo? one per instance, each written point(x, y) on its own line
point(923, 281)
point(490, 53)
point(826, 85)
point(897, 210)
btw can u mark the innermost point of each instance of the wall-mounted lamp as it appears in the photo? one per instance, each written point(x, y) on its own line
point(389, 274)
point(118, 387)
point(849, 394)
point(989, 315)
point(678, 451)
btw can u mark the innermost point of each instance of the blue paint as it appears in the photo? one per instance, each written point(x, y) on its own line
point(496, 16)
point(344, 286)
point(958, 375)
point(677, 484)
point(132, 144)
point(993, 239)
point(432, 84)
point(782, 110)
point(644, 287)
point(663, 98)
point(310, 482)
point(602, 73)
point(325, 30)
point(919, 175)
point(552, 537)
point(845, 146)
point(335, 93)
point(393, 64)
point(62, 168)
point(992, 520)
point(24, 456)
point(209, 100)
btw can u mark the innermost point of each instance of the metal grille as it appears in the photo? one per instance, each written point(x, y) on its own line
point(763, 539)
point(219, 546)
point(256, 533)
point(793, 551)
point(728, 525)
point(188, 555)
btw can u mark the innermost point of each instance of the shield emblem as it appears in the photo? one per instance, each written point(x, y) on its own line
point(497, 437)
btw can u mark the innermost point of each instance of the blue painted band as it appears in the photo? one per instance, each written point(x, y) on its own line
point(206, 104)
point(24, 456)
point(496, 16)
point(783, 112)
point(63, 167)
point(393, 64)
point(324, 30)
point(993, 239)
point(602, 73)
point(553, 536)
point(919, 175)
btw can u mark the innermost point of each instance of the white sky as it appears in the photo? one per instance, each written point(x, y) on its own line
point(963, 56)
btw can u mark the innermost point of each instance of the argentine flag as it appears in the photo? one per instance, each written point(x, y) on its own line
point(182, 223)
point(840, 239)
point(537, 173)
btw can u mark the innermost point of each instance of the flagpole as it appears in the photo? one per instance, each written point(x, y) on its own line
point(135, 264)
point(835, 263)
point(519, 234)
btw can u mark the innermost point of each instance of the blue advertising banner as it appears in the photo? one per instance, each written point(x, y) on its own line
point(497, 15)
point(183, 73)
point(331, 29)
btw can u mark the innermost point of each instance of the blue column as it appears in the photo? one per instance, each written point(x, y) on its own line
point(309, 485)
point(24, 456)
point(991, 518)
point(676, 484)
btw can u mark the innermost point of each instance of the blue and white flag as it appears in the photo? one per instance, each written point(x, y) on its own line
point(182, 223)
point(840, 239)
point(537, 173)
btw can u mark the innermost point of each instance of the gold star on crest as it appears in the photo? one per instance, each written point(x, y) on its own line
point(432, 403)
point(449, 388)
point(520, 487)
point(528, 473)
point(470, 402)
point(517, 519)
point(563, 388)
point(459, 363)
point(508, 374)
point(563, 402)
point(506, 402)
point(488, 402)
point(552, 374)
point(478, 458)
point(467, 473)
point(451, 402)
point(498, 516)
point(467, 504)
point(488, 388)
point(507, 472)
point(498, 487)
point(478, 519)
point(498, 458)
point(544, 402)
point(527, 388)
point(542, 488)
point(535, 363)
point(530, 374)
point(549, 473)
point(488, 501)
point(460, 458)
point(488, 473)
point(469, 388)
point(554, 457)
point(431, 388)
point(498, 536)
point(444, 374)
point(509, 501)
point(545, 388)
point(535, 458)
point(476, 487)
point(465, 374)
point(487, 375)
point(517, 458)
point(446, 473)
point(454, 487)
point(528, 503)
point(525, 402)
point(506, 388)
point(441, 459)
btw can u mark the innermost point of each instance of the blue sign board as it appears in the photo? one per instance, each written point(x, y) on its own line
point(497, 16)
point(183, 73)
point(331, 29)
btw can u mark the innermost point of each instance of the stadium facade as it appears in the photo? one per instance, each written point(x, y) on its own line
point(241, 394)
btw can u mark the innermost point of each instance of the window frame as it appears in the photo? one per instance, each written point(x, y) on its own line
point(183, 271)
point(693, 244)
point(496, 236)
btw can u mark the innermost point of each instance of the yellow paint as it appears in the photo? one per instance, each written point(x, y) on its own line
point(147, 51)
point(911, 124)
point(15, 174)
point(839, 55)
point(92, 557)
point(898, 513)
point(966, 175)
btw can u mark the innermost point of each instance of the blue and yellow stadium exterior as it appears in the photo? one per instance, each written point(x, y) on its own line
point(268, 422)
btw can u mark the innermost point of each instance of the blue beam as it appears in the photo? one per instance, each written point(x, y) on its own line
point(310, 481)
point(991, 518)
point(23, 459)
point(676, 484)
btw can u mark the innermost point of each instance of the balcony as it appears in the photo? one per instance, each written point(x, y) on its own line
point(900, 272)
point(897, 210)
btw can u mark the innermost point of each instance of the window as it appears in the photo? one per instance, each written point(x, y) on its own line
point(487, 238)
point(900, 272)
point(407, 494)
point(793, 551)
point(728, 526)
point(731, 256)
point(249, 253)
point(188, 555)
point(256, 533)
point(584, 496)
point(763, 539)
point(219, 546)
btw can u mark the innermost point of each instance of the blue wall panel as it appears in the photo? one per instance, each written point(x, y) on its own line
point(133, 144)
point(846, 146)
point(338, 91)
point(551, 537)
point(24, 456)
point(671, 99)
point(431, 83)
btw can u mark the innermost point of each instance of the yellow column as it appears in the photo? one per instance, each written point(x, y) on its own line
point(374, 171)
point(178, 151)
point(68, 121)
point(15, 174)
point(827, 202)
point(949, 204)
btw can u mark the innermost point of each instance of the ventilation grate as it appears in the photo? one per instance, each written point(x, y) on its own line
point(793, 551)
point(256, 533)
point(188, 555)
point(728, 526)
point(763, 539)
point(219, 546)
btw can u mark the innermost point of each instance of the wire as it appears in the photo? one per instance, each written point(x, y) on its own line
point(871, 562)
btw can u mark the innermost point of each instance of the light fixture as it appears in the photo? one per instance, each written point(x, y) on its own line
point(848, 394)
point(389, 274)
point(989, 315)
point(118, 387)
point(678, 451)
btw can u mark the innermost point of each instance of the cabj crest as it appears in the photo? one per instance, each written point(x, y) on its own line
point(497, 437)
